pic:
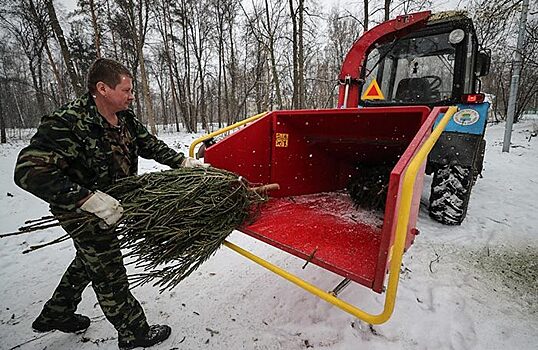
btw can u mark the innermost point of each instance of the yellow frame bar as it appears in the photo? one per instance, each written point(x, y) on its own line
point(223, 130)
point(399, 241)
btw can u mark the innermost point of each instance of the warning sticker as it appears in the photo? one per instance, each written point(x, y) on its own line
point(373, 92)
point(281, 140)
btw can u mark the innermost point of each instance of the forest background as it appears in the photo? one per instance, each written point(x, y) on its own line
point(209, 63)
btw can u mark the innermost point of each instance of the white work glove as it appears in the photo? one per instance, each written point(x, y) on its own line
point(104, 207)
point(190, 162)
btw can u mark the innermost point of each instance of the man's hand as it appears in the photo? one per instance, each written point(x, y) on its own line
point(190, 162)
point(104, 207)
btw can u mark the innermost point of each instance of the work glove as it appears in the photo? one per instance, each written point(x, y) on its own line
point(190, 162)
point(104, 207)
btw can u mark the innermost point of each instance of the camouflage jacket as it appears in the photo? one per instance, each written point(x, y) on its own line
point(70, 155)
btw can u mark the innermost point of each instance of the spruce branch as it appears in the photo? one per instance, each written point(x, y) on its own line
point(173, 220)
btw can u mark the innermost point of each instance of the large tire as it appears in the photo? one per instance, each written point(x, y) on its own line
point(450, 193)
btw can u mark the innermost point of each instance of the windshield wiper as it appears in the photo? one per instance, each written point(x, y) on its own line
point(381, 57)
point(444, 60)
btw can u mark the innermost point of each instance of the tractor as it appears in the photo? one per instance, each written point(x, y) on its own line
point(428, 60)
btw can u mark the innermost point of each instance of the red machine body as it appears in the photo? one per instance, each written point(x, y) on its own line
point(312, 154)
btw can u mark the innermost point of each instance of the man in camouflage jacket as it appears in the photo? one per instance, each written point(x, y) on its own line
point(76, 153)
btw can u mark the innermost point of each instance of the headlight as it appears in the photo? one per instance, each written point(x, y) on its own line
point(456, 36)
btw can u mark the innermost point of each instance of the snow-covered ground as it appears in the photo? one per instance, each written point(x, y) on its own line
point(474, 286)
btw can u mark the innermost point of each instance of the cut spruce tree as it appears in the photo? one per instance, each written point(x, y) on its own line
point(173, 220)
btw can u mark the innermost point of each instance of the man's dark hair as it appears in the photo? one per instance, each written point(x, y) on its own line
point(108, 71)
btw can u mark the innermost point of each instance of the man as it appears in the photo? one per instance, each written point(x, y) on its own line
point(76, 153)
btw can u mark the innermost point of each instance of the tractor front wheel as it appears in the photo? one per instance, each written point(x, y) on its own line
point(450, 193)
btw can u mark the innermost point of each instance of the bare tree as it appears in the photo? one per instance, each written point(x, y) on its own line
point(57, 29)
point(265, 23)
point(137, 17)
point(225, 12)
point(297, 19)
point(159, 71)
point(3, 136)
point(495, 24)
point(528, 85)
point(96, 30)
point(410, 6)
point(386, 10)
point(43, 25)
point(19, 107)
point(25, 21)
point(163, 21)
point(200, 33)
point(185, 81)
point(366, 15)
point(215, 60)
point(231, 92)
point(113, 39)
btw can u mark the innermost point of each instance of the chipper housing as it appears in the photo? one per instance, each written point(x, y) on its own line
point(313, 154)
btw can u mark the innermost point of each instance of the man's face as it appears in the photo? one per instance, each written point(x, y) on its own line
point(120, 97)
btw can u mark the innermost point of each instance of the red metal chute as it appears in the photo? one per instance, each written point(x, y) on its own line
point(312, 154)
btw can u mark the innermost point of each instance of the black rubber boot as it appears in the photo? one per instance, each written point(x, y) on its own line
point(74, 324)
point(156, 334)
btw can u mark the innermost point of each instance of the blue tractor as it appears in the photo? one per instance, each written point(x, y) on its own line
point(425, 59)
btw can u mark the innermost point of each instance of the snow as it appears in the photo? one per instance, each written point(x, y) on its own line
point(472, 286)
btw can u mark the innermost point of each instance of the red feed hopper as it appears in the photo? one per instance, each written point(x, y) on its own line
point(312, 154)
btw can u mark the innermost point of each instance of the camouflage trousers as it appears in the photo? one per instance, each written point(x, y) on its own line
point(98, 260)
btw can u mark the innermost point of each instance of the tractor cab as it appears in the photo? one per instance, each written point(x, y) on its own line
point(436, 65)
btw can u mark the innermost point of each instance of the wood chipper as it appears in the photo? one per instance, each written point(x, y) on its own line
point(383, 118)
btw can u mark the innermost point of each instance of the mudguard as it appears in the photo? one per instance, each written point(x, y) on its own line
point(462, 141)
point(470, 119)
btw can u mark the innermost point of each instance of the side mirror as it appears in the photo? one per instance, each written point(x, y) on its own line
point(483, 62)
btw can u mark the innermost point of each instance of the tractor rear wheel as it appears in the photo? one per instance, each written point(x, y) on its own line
point(450, 193)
